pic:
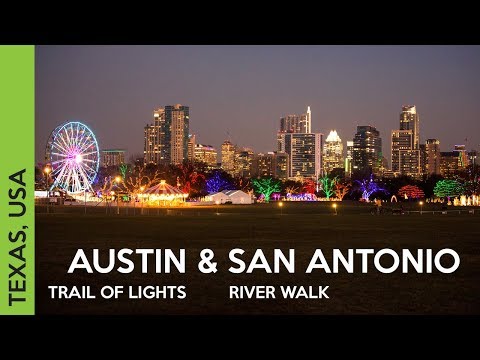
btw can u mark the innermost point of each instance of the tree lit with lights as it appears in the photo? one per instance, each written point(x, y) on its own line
point(448, 188)
point(217, 182)
point(341, 190)
point(411, 192)
point(368, 187)
point(266, 187)
point(328, 186)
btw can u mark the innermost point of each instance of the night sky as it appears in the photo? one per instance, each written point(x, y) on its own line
point(244, 90)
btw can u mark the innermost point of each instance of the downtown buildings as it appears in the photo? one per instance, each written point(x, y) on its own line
point(166, 140)
point(304, 148)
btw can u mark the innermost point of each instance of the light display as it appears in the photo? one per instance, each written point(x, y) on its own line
point(72, 152)
point(123, 168)
point(368, 187)
point(164, 193)
point(266, 187)
point(301, 197)
point(447, 188)
point(341, 190)
point(309, 186)
point(328, 185)
point(411, 192)
point(217, 183)
point(189, 177)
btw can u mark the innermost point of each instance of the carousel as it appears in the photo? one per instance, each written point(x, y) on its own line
point(163, 194)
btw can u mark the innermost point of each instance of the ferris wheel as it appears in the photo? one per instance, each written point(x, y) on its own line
point(72, 152)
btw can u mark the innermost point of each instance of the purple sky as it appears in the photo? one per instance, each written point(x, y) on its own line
point(244, 90)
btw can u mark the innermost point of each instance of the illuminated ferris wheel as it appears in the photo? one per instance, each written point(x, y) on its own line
point(72, 152)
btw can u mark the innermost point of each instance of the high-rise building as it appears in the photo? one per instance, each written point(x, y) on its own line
point(297, 123)
point(263, 165)
point(206, 154)
point(154, 149)
point(191, 147)
point(409, 120)
point(112, 157)
point(432, 151)
point(281, 165)
point(406, 160)
point(367, 150)
point(304, 152)
point(243, 162)
point(166, 140)
point(463, 160)
point(228, 157)
point(333, 152)
point(178, 119)
point(449, 163)
point(405, 146)
point(349, 159)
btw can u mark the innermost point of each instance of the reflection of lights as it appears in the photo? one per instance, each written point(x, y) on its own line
point(280, 204)
point(334, 206)
point(421, 203)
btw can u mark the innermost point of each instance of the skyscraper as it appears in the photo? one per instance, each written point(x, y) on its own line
point(191, 147)
point(432, 150)
point(297, 123)
point(228, 157)
point(154, 149)
point(177, 118)
point(304, 152)
point(409, 120)
point(333, 152)
point(405, 146)
point(367, 150)
point(166, 140)
point(243, 162)
point(349, 159)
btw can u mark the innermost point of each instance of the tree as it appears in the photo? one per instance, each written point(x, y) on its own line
point(123, 168)
point(448, 188)
point(189, 178)
point(309, 186)
point(411, 192)
point(341, 190)
point(266, 187)
point(472, 187)
point(242, 183)
point(140, 179)
point(328, 185)
point(217, 182)
point(368, 187)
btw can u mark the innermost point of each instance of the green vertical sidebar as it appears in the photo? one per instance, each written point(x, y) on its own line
point(17, 167)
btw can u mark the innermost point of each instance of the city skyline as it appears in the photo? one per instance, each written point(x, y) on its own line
point(251, 87)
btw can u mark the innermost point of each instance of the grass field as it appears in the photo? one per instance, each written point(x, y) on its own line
point(301, 226)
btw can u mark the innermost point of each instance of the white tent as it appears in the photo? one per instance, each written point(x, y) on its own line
point(221, 197)
point(238, 196)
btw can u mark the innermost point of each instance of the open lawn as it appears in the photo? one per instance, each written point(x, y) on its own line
point(300, 226)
